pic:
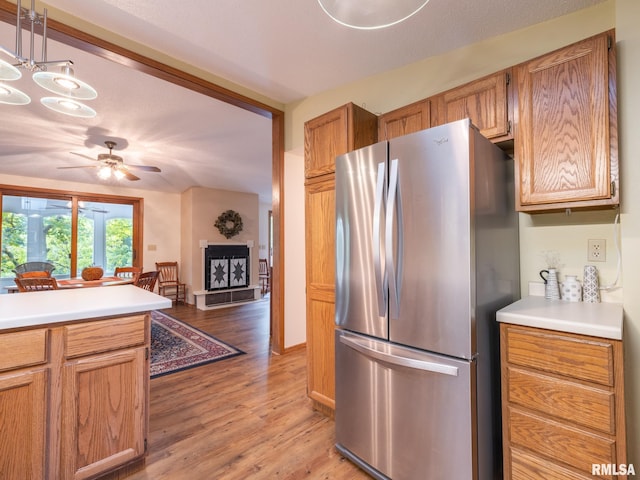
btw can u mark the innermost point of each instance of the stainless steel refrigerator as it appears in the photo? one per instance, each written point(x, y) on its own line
point(426, 253)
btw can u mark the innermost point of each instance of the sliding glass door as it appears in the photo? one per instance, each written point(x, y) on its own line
point(70, 231)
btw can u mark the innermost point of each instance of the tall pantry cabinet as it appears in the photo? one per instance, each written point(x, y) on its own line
point(334, 133)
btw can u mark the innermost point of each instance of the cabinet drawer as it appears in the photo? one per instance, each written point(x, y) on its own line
point(577, 403)
point(530, 467)
point(102, 336)
point(571, 356)
point(556, 441)
point(23, 349)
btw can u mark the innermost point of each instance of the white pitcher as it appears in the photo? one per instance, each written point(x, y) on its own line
point(551, 286)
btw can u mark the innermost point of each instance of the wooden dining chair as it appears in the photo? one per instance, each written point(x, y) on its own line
point(169, 284)
point(34, 284)
point(147, 280)
point(264, 275)
point(34, 274)
point(128, 273)
point(28, 268)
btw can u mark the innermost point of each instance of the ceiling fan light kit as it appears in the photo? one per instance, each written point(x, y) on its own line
point(371, 14)
point(63, 83)
point(113, 165)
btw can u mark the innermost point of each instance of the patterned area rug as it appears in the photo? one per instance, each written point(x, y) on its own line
point(176, 346)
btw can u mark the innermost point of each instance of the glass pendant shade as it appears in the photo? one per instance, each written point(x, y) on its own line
point(13, 96)
point(68, 107)
point(371, 14)
point(65, 84)
point(8, 71)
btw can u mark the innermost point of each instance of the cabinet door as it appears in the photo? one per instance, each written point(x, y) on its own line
point(320, 255)
point(565, 156)
point(334, 133)
point(485, 101)
point(103, 412)
point(405, 120)
point(23, 407)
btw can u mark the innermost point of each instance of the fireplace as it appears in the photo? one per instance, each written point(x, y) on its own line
point(226, 267)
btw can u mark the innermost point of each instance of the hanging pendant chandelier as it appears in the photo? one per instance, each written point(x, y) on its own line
point(371, 14)
point(62, 83)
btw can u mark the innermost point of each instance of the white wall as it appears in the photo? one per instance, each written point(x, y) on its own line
point(294, 266)
point(628, 38)
point(263, 234)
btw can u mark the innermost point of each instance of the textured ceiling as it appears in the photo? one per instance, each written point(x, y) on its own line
point(284, 49)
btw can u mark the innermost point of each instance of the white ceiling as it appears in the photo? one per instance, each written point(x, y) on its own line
point(284, 49)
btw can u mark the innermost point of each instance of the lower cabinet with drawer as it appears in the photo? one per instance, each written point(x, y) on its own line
point(562, 405)
point(74, 398)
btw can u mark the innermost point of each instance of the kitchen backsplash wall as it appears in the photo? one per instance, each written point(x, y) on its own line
point(566, 237)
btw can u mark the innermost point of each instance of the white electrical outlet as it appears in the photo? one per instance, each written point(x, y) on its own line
point(596, 250)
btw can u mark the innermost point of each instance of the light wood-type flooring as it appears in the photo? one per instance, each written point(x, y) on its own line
point(247, 417)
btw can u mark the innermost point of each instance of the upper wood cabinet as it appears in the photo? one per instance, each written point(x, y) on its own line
point(566, 131)
point(485, 101)
point(334, 133)
point(408, 119)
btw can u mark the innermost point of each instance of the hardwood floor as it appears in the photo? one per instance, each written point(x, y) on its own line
point(247, 417)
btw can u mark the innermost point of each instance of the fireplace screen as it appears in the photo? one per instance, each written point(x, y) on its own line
point(226, 267)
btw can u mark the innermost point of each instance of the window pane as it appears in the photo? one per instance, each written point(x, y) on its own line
point(35, 230)
point(105, 235)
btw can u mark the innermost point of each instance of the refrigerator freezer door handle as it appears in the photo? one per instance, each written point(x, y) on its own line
point(398, 360)
point(376, 242)
point(394, 300)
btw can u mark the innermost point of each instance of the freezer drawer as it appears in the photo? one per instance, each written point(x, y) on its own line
point(406, 413)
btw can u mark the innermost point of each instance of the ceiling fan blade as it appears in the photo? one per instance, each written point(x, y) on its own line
point(79, 166)
point(144, 167)
point(128, 174)
point(85, 156)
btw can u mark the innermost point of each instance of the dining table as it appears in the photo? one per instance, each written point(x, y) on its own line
point(79, 282)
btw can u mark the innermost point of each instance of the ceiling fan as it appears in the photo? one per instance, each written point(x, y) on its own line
point(111, 164)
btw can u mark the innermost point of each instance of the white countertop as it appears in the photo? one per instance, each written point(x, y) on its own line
point(41, 308)
point(595, 319)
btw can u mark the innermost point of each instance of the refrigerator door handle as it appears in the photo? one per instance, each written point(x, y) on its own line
point(393, 268)
point(427, 366)
point(376, 242)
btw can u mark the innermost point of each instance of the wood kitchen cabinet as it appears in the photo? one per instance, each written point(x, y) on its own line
point(486, 101)
point(402, 121)
point(74, 398)
point(320, 272)
point(105, 383)
point(337, 132)
point(562, 403)
point(566, 147)
point(24, 394)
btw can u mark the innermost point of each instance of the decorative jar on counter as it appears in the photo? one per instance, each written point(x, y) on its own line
point(571, 289)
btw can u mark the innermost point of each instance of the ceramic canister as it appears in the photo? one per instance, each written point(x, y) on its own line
point(591, 285)
point(571, 289)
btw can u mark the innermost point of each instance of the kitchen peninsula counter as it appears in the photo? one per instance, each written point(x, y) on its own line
point(74, 375)
point(55, 306)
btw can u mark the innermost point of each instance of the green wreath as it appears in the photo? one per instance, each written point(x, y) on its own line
point(229, 223)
